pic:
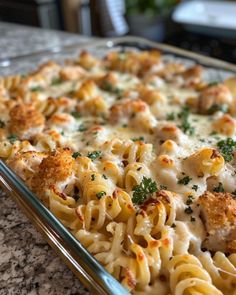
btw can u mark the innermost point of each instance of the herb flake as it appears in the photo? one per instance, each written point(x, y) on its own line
point(141, 191)
point(219, 188)
point(94, 155)
point(100, 194)
point(185, 180)
point(226, 148)
point(76, 155)
point(12, 138)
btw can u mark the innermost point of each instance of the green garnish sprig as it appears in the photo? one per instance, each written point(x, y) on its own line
point(143, 190)
point(226, 148)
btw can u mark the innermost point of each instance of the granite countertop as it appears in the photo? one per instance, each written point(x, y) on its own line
point(27, 263)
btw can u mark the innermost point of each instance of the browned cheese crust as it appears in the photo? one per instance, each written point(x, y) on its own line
point(219, 213)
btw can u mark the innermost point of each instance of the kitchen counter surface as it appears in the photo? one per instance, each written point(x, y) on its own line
point(27, 263)
point(18, 40)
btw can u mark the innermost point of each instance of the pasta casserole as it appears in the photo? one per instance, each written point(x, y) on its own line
point(136, 155)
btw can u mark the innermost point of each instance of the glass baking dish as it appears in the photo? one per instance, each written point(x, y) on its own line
point(86, 268)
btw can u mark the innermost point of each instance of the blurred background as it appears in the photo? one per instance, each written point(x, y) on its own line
point(203, 26)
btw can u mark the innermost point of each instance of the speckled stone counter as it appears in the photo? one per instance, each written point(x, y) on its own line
point(27, 263)
point(17, 40)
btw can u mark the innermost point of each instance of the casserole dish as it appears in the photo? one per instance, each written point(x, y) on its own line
point(77, 258)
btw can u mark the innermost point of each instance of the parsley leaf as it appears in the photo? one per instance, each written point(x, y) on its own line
point(82, 128)
point(56, 81)
point(189, 200)
point(36, 88)
point(188, 210)
point(107, 86)
point(140, 138)
point(100, 194)
point(170, 116)
point(185, 125)
point(76, 155)
point(213, 83)
point(217, 107)
point(185, 180)
point(226, 148)
point(93, 177)
point(219, 188)
point(104, 176)
point(75, 114)
point(94, 155)
point(195, 187)
point(143, 190)
point(12, 138)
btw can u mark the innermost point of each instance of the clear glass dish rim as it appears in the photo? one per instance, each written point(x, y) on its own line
point(82, 263)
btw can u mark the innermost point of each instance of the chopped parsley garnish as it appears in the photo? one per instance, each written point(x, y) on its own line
point(217, 107)
point(213, 133)
point(190, 200)
point(162, 186)
point(192, 219)
point(82, 128)
point(195, 187)
point(188, 210)
point(234, 194)
point(219, 188)
point(100, 194)
point(94, 155)
point(226, 148)
point(36, 88)
point(104, 176)
point(93, 177)
point(76, 115)
point(76, 155)
point(170, 116)
point(140, 138)
point(185, 180)
point(107, 86)
point(56, 81)
point(185, 125)
point(2, 124)
point(143, 190)
point(213, 83)
point(173, 225)
point(12, 138)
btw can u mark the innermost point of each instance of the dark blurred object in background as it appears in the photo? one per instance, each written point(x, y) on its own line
point(40, 13)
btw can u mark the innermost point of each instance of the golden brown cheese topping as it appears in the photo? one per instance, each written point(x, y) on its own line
point(219, 213)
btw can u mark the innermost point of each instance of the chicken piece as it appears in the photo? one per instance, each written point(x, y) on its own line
point(72, 73)
point(25, 164)
point(55, 169)
point(225, 125)
point(166, 131)
point(215, 98)
point(193, 75)
point(87, 61)
point(25, 121)
point(127, 108)
point(108, 82)
point(218, 212)
point(150, 96)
